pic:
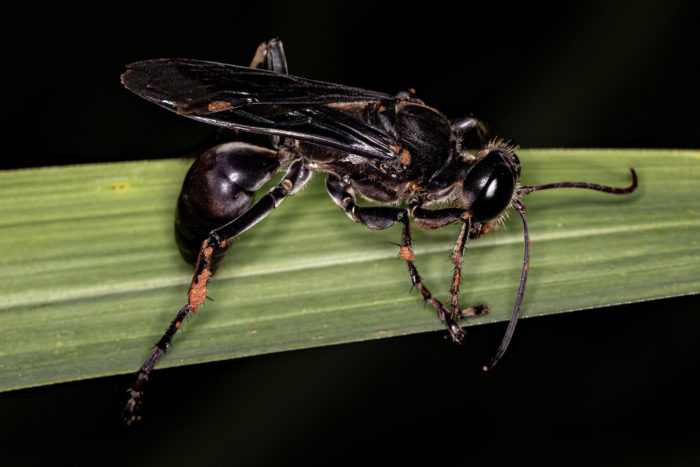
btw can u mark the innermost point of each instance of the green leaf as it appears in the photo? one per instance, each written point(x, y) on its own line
point(91, 277)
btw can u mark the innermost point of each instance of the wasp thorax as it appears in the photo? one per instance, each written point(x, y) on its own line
point(490, 184)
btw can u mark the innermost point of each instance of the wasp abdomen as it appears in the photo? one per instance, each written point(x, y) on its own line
point(218, 188)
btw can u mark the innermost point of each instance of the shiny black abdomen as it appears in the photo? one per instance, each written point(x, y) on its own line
point(218, 188)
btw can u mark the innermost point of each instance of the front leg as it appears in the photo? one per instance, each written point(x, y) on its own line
point(380, 218)
point(430, 219)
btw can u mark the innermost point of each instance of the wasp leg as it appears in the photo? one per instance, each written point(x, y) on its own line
point(296, 177)
point(457, 259)
point(219, 187)
point(464, 126)
point(380, 218)
point(430, 219)
point(270, 56)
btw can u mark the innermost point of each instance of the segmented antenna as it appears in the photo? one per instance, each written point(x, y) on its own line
point(521, 290)
point(522, 191)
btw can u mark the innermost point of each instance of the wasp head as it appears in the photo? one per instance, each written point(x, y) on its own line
point(490, 185)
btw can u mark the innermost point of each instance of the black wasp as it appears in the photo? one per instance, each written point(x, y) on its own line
point(391, 150)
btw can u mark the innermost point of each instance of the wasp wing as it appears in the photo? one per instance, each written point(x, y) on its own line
point(262, 101)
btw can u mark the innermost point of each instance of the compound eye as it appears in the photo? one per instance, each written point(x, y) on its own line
point(489, 187)
point(495, 196)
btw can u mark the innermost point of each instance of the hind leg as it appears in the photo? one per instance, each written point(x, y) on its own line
point(270, 56)
point(219, 187)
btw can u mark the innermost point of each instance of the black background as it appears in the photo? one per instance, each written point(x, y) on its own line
point(613, 386)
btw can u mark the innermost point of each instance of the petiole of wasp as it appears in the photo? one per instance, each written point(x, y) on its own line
point(394, 151)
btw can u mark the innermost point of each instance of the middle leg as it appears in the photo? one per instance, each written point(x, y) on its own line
point(380, 218)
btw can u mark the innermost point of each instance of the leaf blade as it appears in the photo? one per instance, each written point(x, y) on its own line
point(91, 276)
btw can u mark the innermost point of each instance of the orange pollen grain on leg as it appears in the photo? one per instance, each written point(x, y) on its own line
point(198, 291)
point(466, 215)
point(405, 157)
point(208, 251)
point(406, 253)
point(218, 106)
point(178, 324)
